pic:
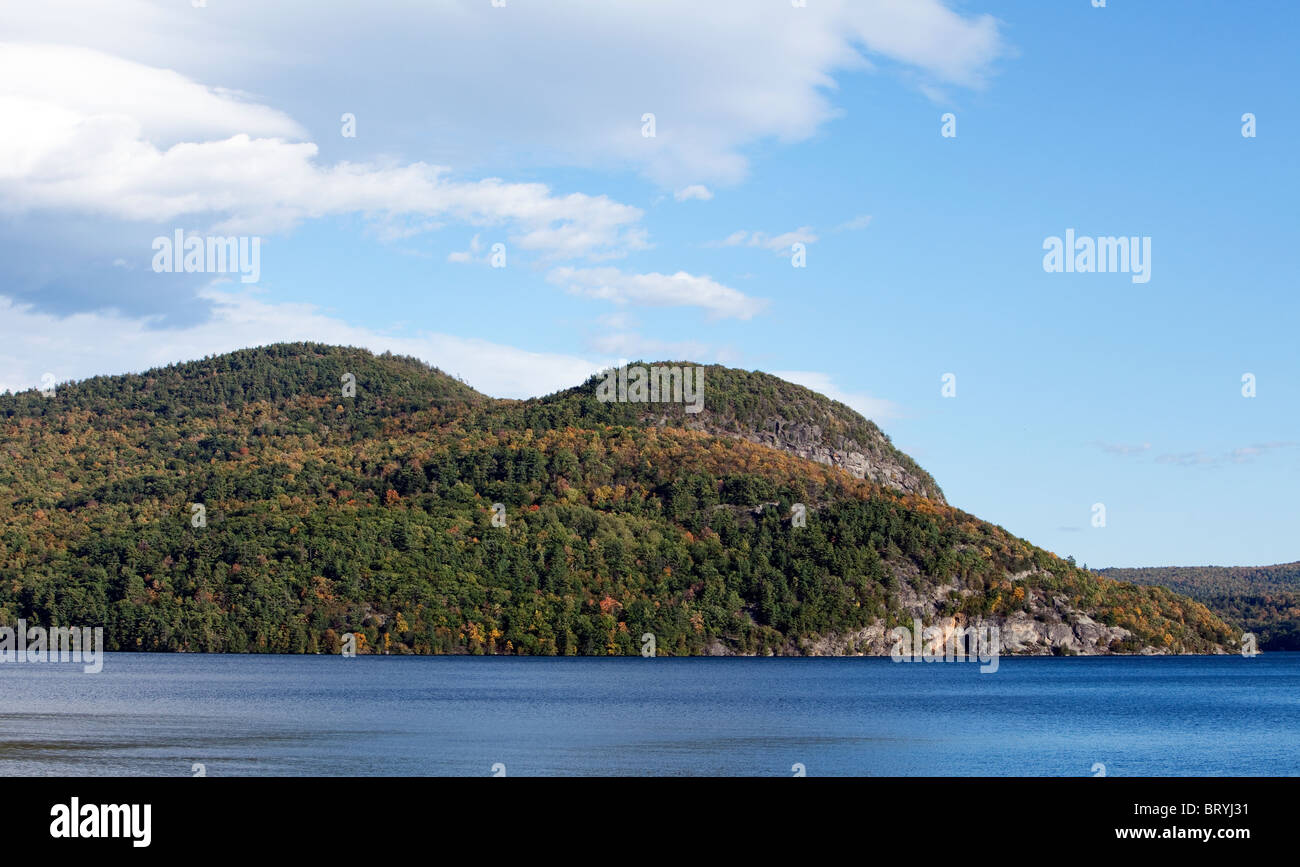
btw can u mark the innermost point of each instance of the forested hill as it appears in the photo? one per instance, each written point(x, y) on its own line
point(282, 374)
point(251, 502)
point(1262, 599)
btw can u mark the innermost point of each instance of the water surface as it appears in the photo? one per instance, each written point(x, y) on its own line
point(160, 714)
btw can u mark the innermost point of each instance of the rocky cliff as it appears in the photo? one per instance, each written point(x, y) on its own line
point(769, 411)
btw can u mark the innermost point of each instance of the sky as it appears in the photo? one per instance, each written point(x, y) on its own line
point(856, 196)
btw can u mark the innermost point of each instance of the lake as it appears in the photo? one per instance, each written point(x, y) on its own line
point(161, 714)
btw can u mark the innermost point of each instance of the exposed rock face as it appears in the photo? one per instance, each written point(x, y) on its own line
point(1019, 635)
point(807, 441)
point(874, 462)
point(1050, 627)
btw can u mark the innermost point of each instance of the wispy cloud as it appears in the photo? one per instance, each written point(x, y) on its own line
point(1188, 459)
point(860, 222)
point(776, 243)
point(628, 344)
point(1248, 453)
point(1122, 448)
point(658, 290)
point(1240, 455)
point(1198, 457)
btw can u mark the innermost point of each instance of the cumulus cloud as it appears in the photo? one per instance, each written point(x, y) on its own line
point(719, 76)
point(694, 191)
point(61, 85)
point(658, 290)
point(224, 159)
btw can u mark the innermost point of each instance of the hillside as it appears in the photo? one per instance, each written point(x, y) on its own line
point(1260, 599)
point(324, 514)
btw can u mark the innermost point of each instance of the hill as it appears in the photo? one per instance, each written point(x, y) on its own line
point(1261, 599)
point(246, 503)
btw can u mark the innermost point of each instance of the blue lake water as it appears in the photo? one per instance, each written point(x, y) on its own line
point(159, 714)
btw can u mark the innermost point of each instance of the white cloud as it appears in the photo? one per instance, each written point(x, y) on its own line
point(470, 255)
point(658, 290)
point(875, 408)
point(91, 344)
point(694, 191)
point(719, 76)
point(89, 153)
point(163, 106)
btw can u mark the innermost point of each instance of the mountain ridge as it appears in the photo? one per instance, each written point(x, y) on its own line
point(376, 514)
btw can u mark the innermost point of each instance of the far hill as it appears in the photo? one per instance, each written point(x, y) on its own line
point(1261, 599)
point(250, 502)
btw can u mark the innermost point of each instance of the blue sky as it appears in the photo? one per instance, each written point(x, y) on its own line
point(774, 124)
